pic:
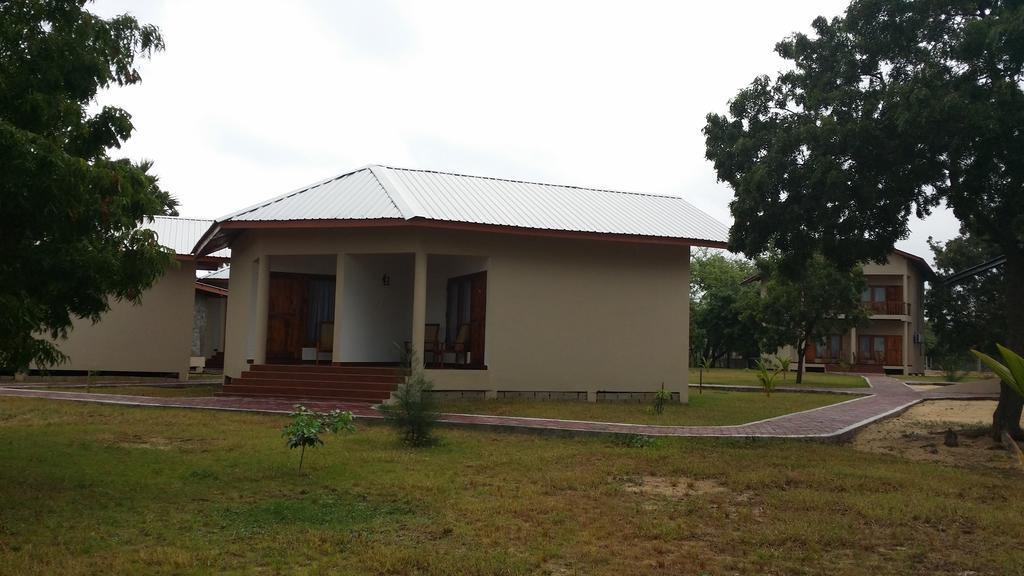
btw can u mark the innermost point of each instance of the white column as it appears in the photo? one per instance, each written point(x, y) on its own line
point(262, 310)
point(419, 307)
point(852, 353)
point(339, 306)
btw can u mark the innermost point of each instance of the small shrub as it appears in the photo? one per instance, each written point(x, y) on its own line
point(414, 411)
point(767, 371)
point(706, 363)
point(661, 398)
point(951, 367)
point(783, 362)
point(306, 426)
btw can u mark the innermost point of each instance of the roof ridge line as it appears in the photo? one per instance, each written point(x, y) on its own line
point(606, 190)
point(403, 201)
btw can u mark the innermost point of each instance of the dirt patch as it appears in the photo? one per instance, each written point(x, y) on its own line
point(677, 488)
point(150, 442)
point(920, 434)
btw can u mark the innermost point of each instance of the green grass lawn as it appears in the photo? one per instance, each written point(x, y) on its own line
point(749, 378)
point(712, 408)
point(92, 489)
point(158, 391)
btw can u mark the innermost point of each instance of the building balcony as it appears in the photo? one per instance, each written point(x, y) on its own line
point(888, 308)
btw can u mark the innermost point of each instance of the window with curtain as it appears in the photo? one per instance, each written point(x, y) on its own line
point(321, 307)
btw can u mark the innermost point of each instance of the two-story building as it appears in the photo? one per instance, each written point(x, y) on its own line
point(892, 339)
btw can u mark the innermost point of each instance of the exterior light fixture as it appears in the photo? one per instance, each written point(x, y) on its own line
point(385, 280)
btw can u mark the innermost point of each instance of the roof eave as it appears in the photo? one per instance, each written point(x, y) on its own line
point(206, 243)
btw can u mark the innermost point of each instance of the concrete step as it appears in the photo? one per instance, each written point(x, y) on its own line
point(346, 398)
point(321, 377)
point(328, 369)
point(313, 384)
point(305, 392)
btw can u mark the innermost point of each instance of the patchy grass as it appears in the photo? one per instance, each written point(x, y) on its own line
point(749, 378)
point(712, 408)
point(92, 489)
point(156, 391)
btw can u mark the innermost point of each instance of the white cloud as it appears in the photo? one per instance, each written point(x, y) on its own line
point(252, 99)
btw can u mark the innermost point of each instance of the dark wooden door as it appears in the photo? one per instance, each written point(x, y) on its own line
point(477, 317)
point(893, 350)
point(285, 317)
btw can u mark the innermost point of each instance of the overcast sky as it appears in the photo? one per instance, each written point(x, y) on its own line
point(252, 99)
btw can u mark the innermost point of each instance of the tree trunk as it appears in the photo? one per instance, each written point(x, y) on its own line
point(1008, 410)
point(801, 351)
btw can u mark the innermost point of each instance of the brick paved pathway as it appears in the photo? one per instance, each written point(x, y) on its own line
point(887, 396)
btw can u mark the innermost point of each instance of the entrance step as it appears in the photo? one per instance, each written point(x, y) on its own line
point(342, 383)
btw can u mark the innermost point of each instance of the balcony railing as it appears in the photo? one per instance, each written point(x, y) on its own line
point(888, 308)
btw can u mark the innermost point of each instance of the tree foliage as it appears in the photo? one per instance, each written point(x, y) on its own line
point(968, 314)
point(887, 111)
point(822, 299)
point(70, 238)
point(723, 310)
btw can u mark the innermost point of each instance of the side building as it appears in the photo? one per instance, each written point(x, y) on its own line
point(155, 337)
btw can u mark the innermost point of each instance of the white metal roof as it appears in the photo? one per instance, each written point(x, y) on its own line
point(383, 192)
point(181, 234)
point(222, 274)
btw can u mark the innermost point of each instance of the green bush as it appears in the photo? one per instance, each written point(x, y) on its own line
point(413, 411)
point(783, 363)
point(661, 398)
point(767, 371)
point(306, 426)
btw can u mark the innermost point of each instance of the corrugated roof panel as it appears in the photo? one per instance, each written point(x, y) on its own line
point(181, 234)
point(383, 192)
point(480, 200)
point(222, 274)
point(354, 196)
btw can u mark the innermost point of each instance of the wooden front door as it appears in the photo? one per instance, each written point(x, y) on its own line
point(285, 318)
point(893, 350)
point(477, 317)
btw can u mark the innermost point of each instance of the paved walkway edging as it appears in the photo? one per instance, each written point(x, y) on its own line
point(887, 397)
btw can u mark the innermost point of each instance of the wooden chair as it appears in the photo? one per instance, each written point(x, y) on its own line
point(461, 344)
point(432, 343)
point(324, 340)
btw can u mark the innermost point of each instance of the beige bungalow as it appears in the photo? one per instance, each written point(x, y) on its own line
point(154, 337)
point(501, 287)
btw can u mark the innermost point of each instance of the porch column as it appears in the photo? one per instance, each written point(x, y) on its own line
point(262, 310)
point(419, 307)
point(906, 348)
point(339, 306)
point(906, 295)
point(852, 354)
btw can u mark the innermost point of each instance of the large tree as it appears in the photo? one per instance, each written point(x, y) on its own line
point(887, 111)
point(69, 237)
point(970, 313)
point(723, 310)
point(818, 300)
